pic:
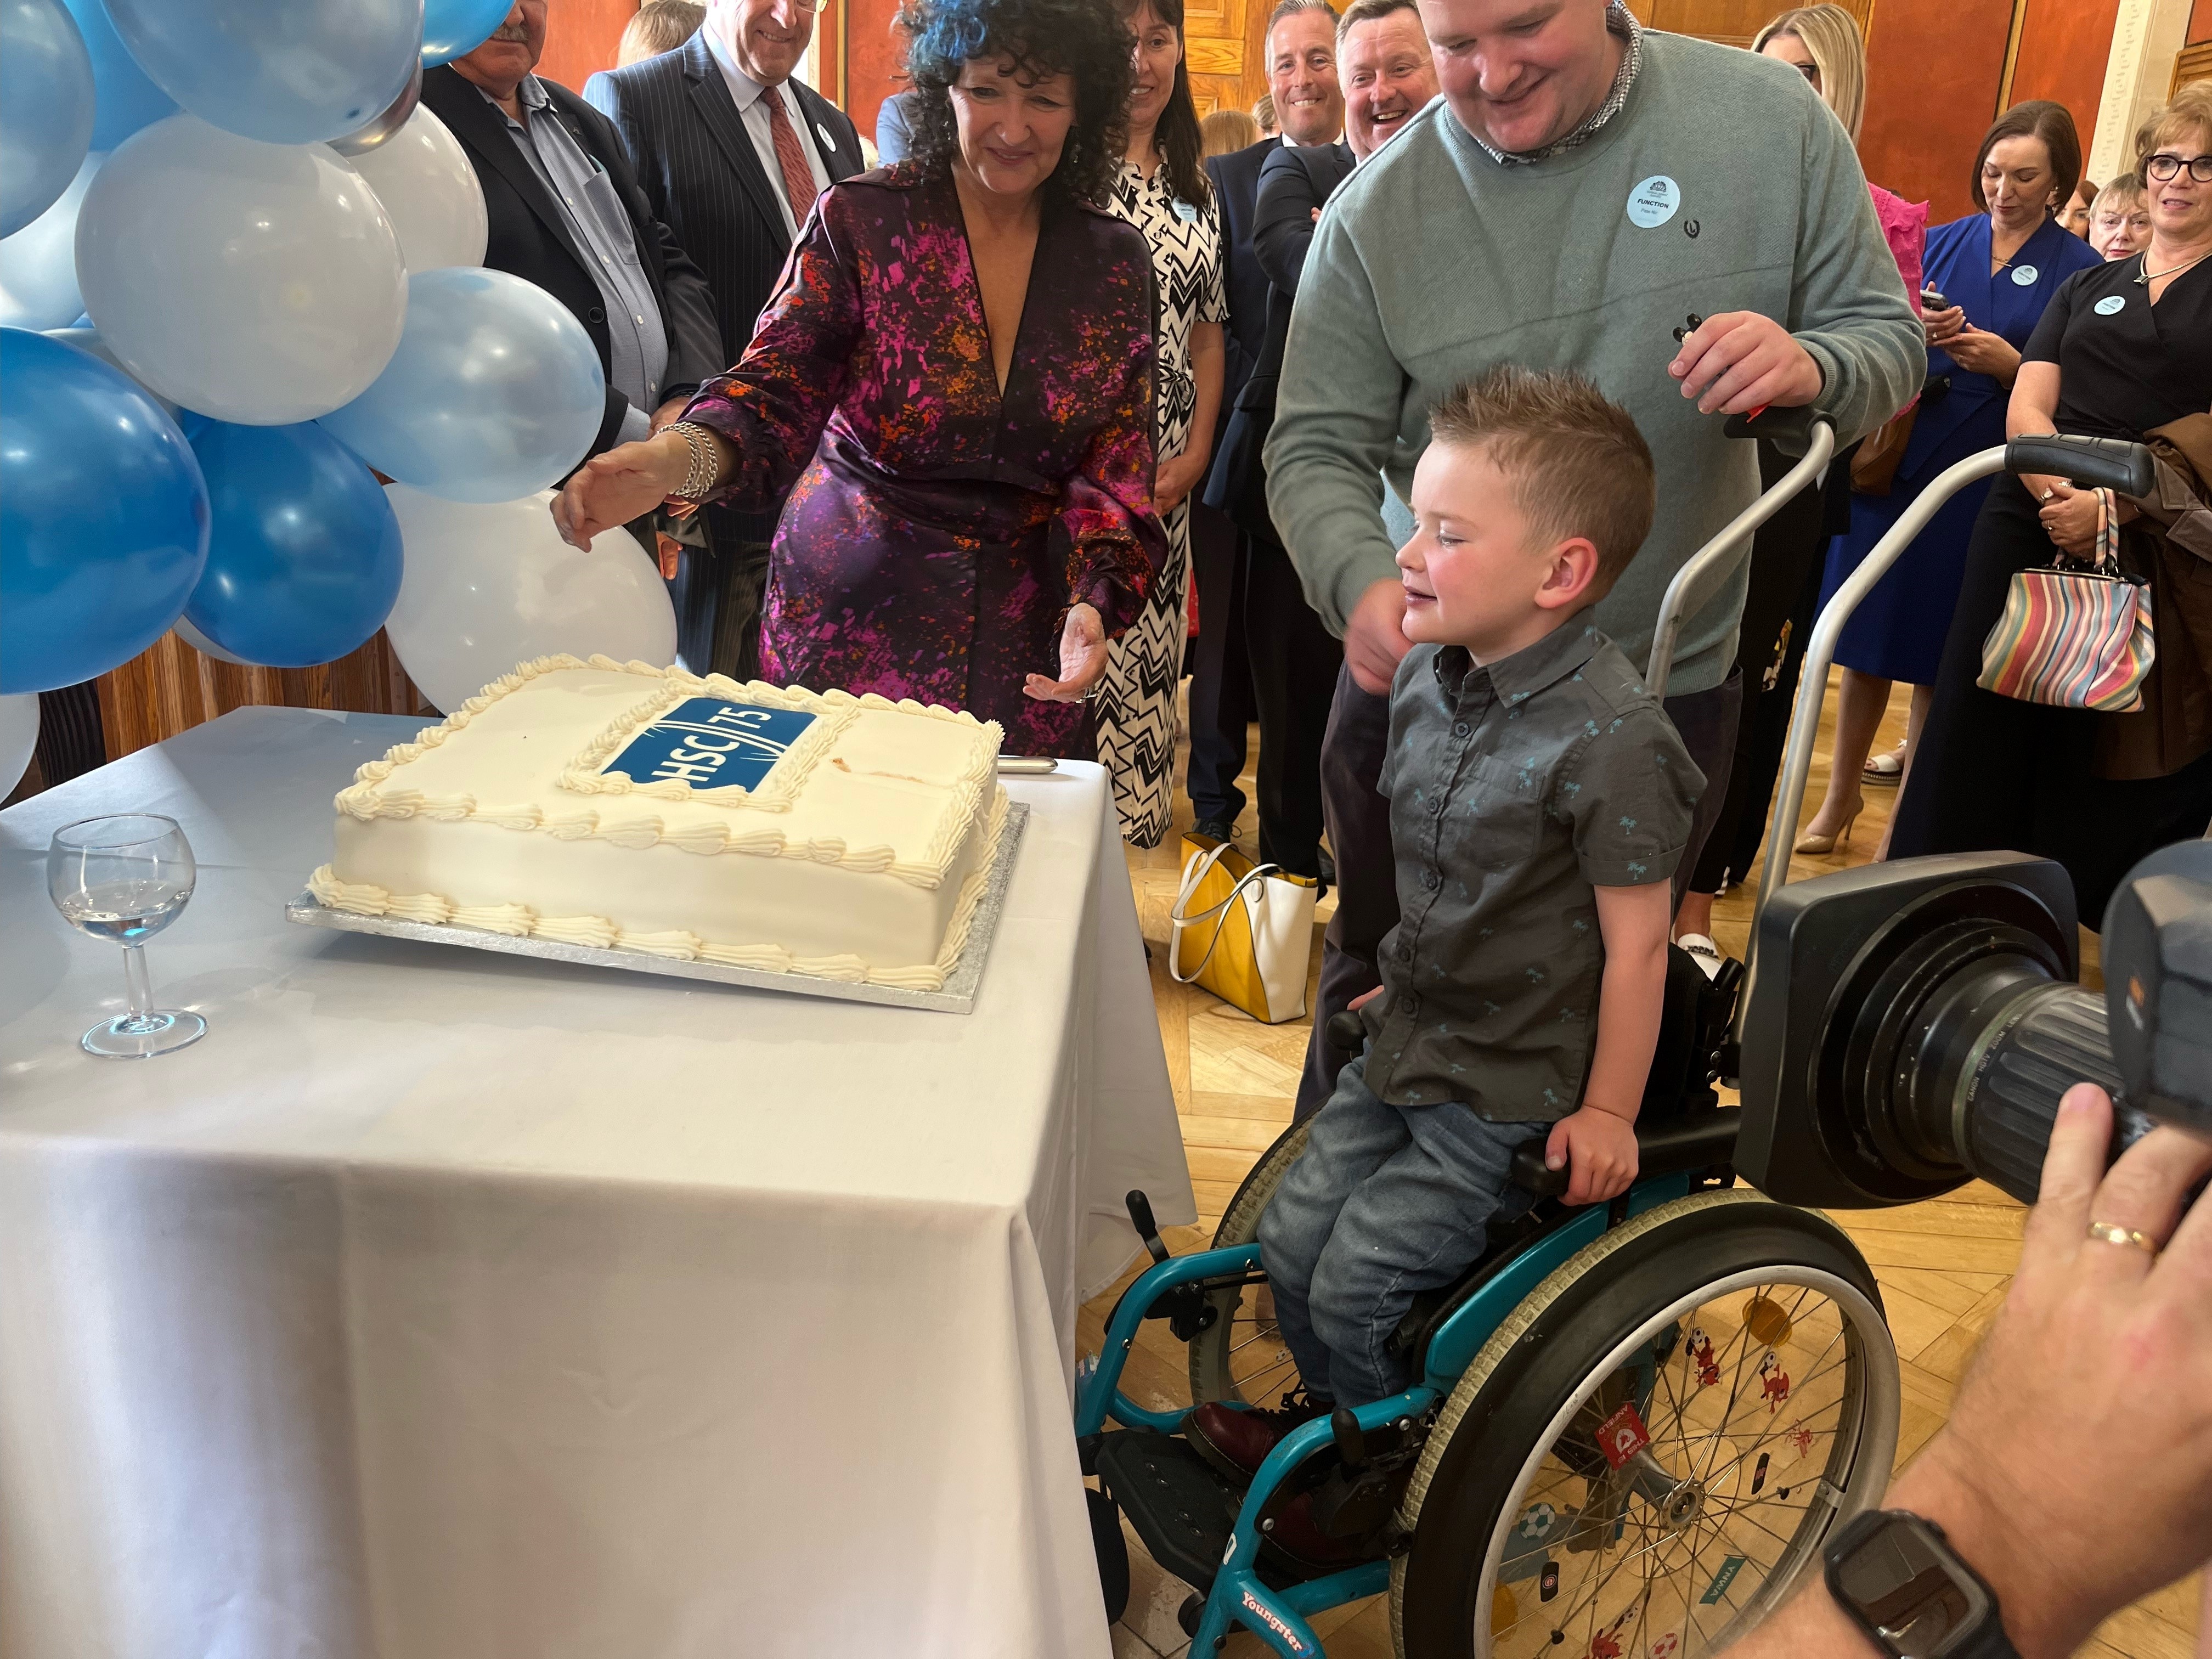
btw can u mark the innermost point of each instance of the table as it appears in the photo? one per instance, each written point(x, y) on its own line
point(446, 1305)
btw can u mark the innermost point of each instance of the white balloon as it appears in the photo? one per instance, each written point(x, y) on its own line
point(258, 283)
point(206, 647)
point(422, 176)
point(485, 587)
point(38, 263)
point(19, 736)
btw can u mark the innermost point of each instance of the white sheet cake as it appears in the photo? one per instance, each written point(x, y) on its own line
point(619, 804)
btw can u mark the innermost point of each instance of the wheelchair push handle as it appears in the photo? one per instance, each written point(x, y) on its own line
point(1789, 430)
point(2114, 463)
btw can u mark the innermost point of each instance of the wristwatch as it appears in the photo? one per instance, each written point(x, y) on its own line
point(1896, 1577)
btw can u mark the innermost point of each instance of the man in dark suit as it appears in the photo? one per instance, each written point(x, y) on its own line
point(1295, 659)
point(732, 152)
point(565, 212)
point(1227, 690)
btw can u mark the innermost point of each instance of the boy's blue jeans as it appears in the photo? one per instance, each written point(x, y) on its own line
point(1384, 1201)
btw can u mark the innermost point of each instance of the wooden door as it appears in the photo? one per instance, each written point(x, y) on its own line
point(1223, 41)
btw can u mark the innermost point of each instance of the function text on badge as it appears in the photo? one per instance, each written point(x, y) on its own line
point(1655, 200)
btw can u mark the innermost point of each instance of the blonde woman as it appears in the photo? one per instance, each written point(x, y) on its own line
point(1226, 130)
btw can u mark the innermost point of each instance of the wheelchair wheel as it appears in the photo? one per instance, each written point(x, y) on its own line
point(1742, 1343)
point(1239, 1357)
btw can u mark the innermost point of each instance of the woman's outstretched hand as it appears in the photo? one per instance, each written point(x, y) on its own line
point(615, 488)
point(1082, 660)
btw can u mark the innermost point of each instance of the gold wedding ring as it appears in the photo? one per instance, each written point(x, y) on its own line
point(2117, 1235)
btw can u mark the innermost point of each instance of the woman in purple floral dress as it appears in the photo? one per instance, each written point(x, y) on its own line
point(954, 383)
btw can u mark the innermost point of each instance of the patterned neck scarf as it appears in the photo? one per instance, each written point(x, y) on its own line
point(1619, 22)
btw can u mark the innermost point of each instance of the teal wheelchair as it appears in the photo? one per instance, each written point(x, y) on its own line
point(1634, 1422)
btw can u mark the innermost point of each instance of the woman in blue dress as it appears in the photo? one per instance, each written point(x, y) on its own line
point(1995, 272)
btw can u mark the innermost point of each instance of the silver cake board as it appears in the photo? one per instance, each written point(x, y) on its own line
point(958, 995)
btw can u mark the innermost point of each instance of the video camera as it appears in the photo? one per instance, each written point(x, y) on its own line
point(1909, 1026)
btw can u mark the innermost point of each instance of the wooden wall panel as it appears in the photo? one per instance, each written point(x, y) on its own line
point(2064, 45)
point(873, 59)
point(170, 688)
point(581, 39)
point(1932, 77)
point(1731, 22)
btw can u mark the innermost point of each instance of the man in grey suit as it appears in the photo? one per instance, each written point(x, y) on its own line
point(730, 152)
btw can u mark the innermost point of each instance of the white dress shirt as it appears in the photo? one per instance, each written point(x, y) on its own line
point(747, 91)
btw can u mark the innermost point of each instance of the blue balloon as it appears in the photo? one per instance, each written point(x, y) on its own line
point(283, 71)
point(454, 28)
point(103, 516)
point(127, 100)
point(46, 108)
point(303, 560)
point(494, 393)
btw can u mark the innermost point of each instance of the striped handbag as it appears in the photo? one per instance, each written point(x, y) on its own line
point(2076, 635)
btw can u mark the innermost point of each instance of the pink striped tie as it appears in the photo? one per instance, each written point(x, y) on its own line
point(790, 156)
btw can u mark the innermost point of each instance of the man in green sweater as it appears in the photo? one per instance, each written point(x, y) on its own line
point(1579, 191)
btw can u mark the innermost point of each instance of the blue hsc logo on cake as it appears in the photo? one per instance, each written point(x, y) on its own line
point(711, 745)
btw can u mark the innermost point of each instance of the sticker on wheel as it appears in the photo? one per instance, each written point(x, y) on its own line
point(1774, 1382)
point(1622, 1435)
point(1701, 1356)
point(1536, 1521)
point(1722, 1580)
point(1799, 1440)
point(1665, 1647)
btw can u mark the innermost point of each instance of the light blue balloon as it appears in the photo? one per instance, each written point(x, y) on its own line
point(303, 558)
point(283, 71)
point(494, 393)
point(46, 108)
point(103, 516)
point(38, 263)
point(127, 100)
point(454, 28)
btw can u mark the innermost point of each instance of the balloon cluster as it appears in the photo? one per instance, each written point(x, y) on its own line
point(242, 267)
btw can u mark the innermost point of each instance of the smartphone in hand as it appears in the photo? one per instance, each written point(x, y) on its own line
point(1930, 300)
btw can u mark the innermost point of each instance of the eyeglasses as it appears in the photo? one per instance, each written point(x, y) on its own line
point(2166, 165)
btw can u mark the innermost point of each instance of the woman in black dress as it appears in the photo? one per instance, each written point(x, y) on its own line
point(2124, 347)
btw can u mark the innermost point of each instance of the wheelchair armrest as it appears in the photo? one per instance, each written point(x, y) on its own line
point(1696, 1142)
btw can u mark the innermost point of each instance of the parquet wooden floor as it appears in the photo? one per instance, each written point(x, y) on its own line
point(1943, 1266)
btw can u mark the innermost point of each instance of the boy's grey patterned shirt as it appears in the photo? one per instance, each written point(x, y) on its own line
point(1515, 790)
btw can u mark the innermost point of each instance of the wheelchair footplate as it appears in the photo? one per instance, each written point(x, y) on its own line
point(1183, 1507)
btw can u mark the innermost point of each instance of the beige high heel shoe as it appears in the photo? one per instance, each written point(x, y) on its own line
point(1816, 844)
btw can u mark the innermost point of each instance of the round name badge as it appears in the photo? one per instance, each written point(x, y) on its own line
point(1654, 202)
point(2109, 304)
point(2023, 275)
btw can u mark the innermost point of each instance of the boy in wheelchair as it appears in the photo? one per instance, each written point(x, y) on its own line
point(1540, 802)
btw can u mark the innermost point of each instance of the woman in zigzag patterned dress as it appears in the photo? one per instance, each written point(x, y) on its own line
point(1163, 190)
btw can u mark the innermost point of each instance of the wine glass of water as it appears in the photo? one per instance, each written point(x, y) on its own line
point(125, 878)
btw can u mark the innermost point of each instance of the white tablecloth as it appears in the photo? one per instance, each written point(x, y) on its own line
point(442, 1305)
